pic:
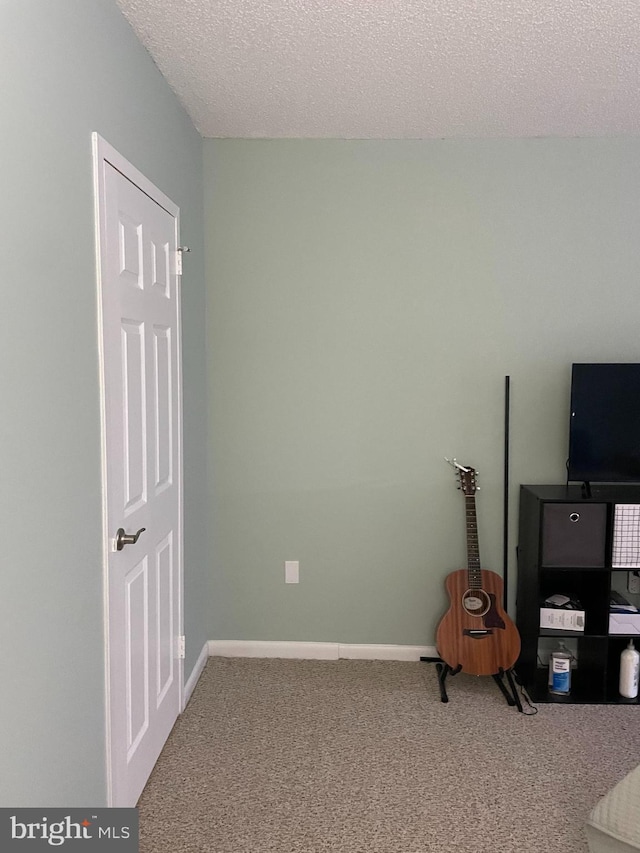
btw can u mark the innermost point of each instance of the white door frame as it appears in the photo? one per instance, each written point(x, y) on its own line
point(103, 151)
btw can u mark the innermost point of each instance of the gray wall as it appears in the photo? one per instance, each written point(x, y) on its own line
point(366, 300)
point(69, 68)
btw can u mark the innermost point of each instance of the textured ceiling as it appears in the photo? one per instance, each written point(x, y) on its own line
point(398, 68)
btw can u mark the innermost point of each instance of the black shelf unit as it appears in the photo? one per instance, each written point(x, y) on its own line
point(564, 545)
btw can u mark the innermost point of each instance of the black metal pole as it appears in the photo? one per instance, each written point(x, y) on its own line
point(505, 572)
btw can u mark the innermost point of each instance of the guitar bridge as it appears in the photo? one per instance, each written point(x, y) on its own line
point(477, 632)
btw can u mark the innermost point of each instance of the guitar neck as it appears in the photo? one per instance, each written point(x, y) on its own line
point(473, 551)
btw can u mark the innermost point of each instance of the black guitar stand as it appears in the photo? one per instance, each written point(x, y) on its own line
point(511, 694)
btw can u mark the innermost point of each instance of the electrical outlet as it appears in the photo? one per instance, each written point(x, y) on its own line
point(633, 581)
point(291, 571)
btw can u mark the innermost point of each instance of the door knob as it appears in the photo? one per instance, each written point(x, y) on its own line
point(123, 538)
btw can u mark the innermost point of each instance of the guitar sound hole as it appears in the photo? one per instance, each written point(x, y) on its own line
point(476, 602)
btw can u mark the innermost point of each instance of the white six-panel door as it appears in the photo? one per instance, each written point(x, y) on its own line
point(139, 301)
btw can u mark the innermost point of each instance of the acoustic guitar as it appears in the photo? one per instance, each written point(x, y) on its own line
point(476, 635)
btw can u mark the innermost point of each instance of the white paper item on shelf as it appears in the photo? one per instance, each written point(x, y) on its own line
point(624, 623)
point(563, 620)
point(626, 537)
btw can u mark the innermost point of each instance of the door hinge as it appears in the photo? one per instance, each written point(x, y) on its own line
point(181, 250)
point(182, 647)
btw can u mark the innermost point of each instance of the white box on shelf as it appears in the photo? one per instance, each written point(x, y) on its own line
point(624, 623)
point(562, 620)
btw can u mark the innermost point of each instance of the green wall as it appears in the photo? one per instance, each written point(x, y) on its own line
point(70, 68)
point(366, 300)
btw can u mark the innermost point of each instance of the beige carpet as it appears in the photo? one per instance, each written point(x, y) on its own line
point(362, 757)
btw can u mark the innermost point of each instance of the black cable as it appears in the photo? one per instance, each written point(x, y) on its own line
point(525, 696)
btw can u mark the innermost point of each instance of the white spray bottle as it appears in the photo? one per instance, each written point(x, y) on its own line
point(629, 671)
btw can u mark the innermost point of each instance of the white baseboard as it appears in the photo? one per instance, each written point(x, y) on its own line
point(273, 649)
point(196, 672)
point(380, 652)
point(317, 651)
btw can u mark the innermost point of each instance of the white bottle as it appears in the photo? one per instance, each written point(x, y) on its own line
point(629, 671)
point(560, 670)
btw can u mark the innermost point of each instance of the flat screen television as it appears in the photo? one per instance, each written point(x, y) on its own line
point(604, 433)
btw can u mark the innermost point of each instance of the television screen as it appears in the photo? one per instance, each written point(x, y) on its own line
point(604, 434)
